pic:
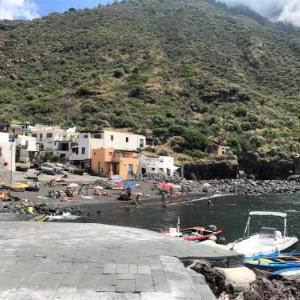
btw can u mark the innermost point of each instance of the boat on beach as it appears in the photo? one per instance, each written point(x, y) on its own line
point(274, 262)
point(287, 272)
point(195, 233)
point(267, 241)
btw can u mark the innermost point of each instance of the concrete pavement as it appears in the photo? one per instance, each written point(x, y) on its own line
point(95, 261)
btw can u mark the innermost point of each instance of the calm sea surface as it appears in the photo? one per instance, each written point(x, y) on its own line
point(229, 213)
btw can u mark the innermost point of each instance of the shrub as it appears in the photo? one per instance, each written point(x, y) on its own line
point(118, 73)
point(195, 140)
point(84, 91)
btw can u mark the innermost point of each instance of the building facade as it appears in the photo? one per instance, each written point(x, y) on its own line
point(110, 162)
point(26, 148)
point(107, 139)
point(7, 153)
point(47, 136)
point(157, 165)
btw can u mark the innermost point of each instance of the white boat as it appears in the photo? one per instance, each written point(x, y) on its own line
point(64, 216)
point(288, 272)
point(267, 241)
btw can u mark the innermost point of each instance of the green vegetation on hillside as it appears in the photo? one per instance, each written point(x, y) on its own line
point(188, 71)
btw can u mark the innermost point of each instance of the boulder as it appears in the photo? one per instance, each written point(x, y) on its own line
point(240, 278)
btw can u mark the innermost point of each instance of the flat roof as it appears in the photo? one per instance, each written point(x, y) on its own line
point(268, 213)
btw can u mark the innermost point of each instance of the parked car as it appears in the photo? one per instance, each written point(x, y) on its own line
point(74, 170)
point(50, 169)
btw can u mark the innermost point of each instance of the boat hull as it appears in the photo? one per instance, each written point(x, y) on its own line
point(287, 272)
point(274, 262)
point(254, 246)
point(191, 234)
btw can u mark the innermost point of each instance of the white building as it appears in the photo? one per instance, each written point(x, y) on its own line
point(26, 148)
point(122, 140)
point(7, 156)
point(47, 136)
point(87, 141)
point(153, 165)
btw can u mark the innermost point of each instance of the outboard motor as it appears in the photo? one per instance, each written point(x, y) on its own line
point(212, 228)
point(221, 240)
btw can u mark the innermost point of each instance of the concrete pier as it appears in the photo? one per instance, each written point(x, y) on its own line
point(95, 261)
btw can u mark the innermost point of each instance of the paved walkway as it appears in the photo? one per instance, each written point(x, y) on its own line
point(95, 261)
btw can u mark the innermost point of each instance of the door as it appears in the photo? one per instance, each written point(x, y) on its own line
point(130, 169)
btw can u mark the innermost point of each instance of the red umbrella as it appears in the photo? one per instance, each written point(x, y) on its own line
point(165, 186)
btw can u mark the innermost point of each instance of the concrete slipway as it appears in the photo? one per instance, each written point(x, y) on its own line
point(95, 261)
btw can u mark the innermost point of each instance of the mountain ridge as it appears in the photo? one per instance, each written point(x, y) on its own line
point(191, 72)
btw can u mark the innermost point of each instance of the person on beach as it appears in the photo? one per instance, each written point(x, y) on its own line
point(163, 199)
point(137, 200)
point(128, 193)
point(210, 204)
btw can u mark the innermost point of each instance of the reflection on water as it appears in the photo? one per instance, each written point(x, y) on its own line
point(229, 213)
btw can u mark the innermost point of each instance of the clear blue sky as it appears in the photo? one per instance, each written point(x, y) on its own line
point(47, 6)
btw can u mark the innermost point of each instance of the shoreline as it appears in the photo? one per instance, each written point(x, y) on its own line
point(79, 205)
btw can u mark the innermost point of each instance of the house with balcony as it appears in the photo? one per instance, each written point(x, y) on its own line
point(109, 162)
point(26, 148)
point(49, 138)
point(82, 150)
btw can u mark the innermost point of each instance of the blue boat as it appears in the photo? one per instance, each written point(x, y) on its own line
point(274, 262)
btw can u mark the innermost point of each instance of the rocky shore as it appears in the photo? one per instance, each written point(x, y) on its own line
point(264, 286)
point(251, 187)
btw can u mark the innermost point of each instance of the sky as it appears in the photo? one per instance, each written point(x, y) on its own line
point(287, 11)
point(277, 10)
point(30, 9)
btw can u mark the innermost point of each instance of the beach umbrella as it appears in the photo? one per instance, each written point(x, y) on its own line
point(165, 186)
point(98, 187)
point(73, 185)
point(128, 185)
point(116, 179)
point(206, 185)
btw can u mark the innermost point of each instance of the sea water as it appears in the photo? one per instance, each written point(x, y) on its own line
point(228, 213)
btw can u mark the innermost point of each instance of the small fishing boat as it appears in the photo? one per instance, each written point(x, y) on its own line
point(63, 216)
point(267, 241)
point(287, 272)
point(195, 233)
point(274, 261)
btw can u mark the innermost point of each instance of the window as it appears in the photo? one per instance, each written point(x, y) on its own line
point(83, 150)
point(49, 135)
point(111, 137)
point(141, 143)
point(127, 139)
point(0, 152)
point(86, 136)
point(41, 136)
point(34, 135)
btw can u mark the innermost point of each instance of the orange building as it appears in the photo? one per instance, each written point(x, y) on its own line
point(109, 162)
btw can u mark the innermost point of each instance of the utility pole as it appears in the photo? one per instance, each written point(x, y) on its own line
point(11, 159)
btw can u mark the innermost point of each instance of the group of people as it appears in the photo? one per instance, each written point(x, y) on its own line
point(126, 195)
point(62, 195)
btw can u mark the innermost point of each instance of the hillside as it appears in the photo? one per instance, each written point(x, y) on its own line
point(190, 71)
